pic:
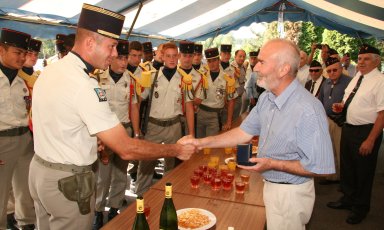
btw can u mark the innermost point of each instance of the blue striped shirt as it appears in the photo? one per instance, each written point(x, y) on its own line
point(292, 126)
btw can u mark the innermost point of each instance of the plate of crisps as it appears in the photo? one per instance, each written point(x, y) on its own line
point(195, 218)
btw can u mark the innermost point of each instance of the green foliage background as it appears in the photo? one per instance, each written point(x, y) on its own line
point(304, 34)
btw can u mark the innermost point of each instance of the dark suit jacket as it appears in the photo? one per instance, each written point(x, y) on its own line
point(308, 85)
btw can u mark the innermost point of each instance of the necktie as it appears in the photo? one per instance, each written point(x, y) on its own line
point(313, 86)
point(350, 97)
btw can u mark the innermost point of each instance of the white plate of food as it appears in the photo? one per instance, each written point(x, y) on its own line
point(195, 218)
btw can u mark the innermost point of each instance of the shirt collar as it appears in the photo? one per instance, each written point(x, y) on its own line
point(283, 97)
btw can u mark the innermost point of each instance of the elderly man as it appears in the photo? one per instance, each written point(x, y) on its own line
point(303, 71)
point(333, 92)
point(317, 79)
point(70, 111)
point(361, 135)
point(290, 122)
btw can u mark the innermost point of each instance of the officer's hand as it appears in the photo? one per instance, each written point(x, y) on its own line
point(185, 151)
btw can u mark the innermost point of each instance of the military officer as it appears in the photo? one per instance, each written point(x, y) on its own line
point(221, 87)
point(70, 112)
point(16, 146)
point(112, 170)
point(166, 99)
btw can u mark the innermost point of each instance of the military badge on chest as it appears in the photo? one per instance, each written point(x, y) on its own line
point(28, 102)
point(101, 94)
point(220, 93)
point(156, 92)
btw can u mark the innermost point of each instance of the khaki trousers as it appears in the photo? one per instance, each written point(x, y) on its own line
point(111, 181)
point(16, 152)
point(288, 206)
point(207, 123)
point(53, 210)
point(335, 133)
point(157, 134)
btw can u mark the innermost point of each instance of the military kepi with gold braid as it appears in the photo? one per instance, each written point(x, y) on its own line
point(101, 21)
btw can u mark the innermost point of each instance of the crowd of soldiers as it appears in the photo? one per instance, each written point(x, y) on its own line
point(158, 96)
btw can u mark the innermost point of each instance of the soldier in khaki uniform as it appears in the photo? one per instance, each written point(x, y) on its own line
point(70, 112)
point(165, 108)
point(186, 69)
point(147, 52)
point(112, 170)
point(16, 146)
point(221, 87)
point(29, 76)
point(139, 71)
point(197, 62)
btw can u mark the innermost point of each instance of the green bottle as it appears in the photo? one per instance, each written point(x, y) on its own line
point(140, 221)
point(168, 216)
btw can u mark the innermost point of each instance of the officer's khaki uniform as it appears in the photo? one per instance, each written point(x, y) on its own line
point(69, 110)
point(211, 108)
point(164, 124)
point(16, 150)
point(112, 178)
point(241, 101)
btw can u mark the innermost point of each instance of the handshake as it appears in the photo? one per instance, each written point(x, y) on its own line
point(188, 145)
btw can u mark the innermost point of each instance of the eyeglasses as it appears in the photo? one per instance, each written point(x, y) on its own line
point(332, 70)
point(314, 70)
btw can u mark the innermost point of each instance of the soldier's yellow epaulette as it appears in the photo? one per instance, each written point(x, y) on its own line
point(231, 82)
point(29, 79)
point(186, 80)
point(204, 79)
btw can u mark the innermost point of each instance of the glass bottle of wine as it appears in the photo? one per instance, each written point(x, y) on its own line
point(168, 216)
point(140, 221)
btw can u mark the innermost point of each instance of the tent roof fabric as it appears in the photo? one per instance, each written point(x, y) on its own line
point(198, 19)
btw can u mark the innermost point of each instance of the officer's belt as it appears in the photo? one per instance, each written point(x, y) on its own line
point(14, 132)
point(209, 109)
point(126, 125)
point(63, 167)
point(164, 123)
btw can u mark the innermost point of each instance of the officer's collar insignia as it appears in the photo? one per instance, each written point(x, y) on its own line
point(101, 94)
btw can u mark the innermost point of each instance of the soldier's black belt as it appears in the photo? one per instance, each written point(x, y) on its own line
point(127, 125)
point(63, 167)
point(14, 132)
point(209, 109)
point(164, 123)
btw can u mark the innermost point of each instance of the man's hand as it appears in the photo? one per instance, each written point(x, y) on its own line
point(366, 147)
point(227, 125)
point(252, 101)
point(189, 140)
point(262, 164)
point(2, 162)
point(104, 156)
point(185, 151)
